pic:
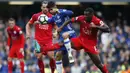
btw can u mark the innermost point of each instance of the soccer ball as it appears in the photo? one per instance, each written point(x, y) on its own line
point(43, 19)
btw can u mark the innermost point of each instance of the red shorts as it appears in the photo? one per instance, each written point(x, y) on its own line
point(16, 52)
point(42, 45)
point(78, 45)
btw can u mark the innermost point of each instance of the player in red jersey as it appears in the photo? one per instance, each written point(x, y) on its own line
point(89, 26)
point(15, 45)
point(43, 36)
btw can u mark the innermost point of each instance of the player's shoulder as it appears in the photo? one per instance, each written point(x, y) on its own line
point(95, 18)
point(36, 14)
point(18, 29)
point(49, 14)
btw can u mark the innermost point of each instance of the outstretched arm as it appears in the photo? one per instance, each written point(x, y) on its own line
point(29, 24)
point(103, 27)
point(64, 24)
point(72, 20)
point(28, 30)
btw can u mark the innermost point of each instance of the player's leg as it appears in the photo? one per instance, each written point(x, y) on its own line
point(52, 61)
point(10, 57)
point(20, 56)
point(10, 65)
point(40, 62)
point(38, 53)
point(76, 44)
point(96, 60)
point(67, 44)
point(59, 61)
point(22, 65)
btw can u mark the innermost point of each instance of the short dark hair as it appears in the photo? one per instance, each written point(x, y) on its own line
point(90, 10)
point(11, 19)
point(51, 4)
point(44, 2)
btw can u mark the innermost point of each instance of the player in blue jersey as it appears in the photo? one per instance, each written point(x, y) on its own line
point(60, 16)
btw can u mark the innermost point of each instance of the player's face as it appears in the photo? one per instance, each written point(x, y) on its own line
point(44, 8)
point(53, 10)
point(11, 24)
point(88, 16)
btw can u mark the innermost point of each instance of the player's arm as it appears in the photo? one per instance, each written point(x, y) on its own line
point(51, 20)
point(72, 20)
point(29, 25)
point(55, 33)
point(101, 26)
point(21, 37)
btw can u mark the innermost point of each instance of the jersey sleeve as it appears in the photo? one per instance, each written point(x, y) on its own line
point(19, 30)
point(98, 22)
point(76, 19)
point(65, 12)
point(33, 19)
point(51, 20)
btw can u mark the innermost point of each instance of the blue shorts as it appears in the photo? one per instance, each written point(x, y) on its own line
point(61, 39)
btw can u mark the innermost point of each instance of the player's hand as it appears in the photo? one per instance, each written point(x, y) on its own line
point(7, 50)
point(93, 25)
point(21, 51)
point(55, 34)
point(59, 29)
point(27, 37)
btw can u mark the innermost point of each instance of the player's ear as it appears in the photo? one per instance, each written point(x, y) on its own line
point(41, 8)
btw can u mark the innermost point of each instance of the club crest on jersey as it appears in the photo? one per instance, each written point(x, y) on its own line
point(58, 16)
point(14, 32)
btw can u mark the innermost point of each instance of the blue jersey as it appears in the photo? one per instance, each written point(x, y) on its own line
point(60, 18)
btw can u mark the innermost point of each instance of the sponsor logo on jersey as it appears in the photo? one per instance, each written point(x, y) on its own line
point(45, 27)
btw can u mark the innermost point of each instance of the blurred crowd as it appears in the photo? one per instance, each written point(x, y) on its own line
point(114, 50)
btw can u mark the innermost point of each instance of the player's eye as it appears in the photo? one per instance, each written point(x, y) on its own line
point(51, 9)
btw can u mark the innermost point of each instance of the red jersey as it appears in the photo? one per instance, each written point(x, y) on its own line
point(87, 34)
point(43, 33)
point(15, 37)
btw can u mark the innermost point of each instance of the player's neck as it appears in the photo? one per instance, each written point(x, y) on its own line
point(12, 27)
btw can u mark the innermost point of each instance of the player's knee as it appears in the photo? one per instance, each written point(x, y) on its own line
point(65, 35)
point(21, 60)
point(100, 65)
point(51, 56)
point(58, 56)
point(38, 55)
point(9, 59)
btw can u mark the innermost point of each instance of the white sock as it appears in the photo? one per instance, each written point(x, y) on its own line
point(67, 44)
point(59, 66)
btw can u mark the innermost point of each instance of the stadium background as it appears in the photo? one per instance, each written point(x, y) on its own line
point(114, 47)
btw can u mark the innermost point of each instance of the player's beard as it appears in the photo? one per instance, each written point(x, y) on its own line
point(88, 19)
point(45, 11)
